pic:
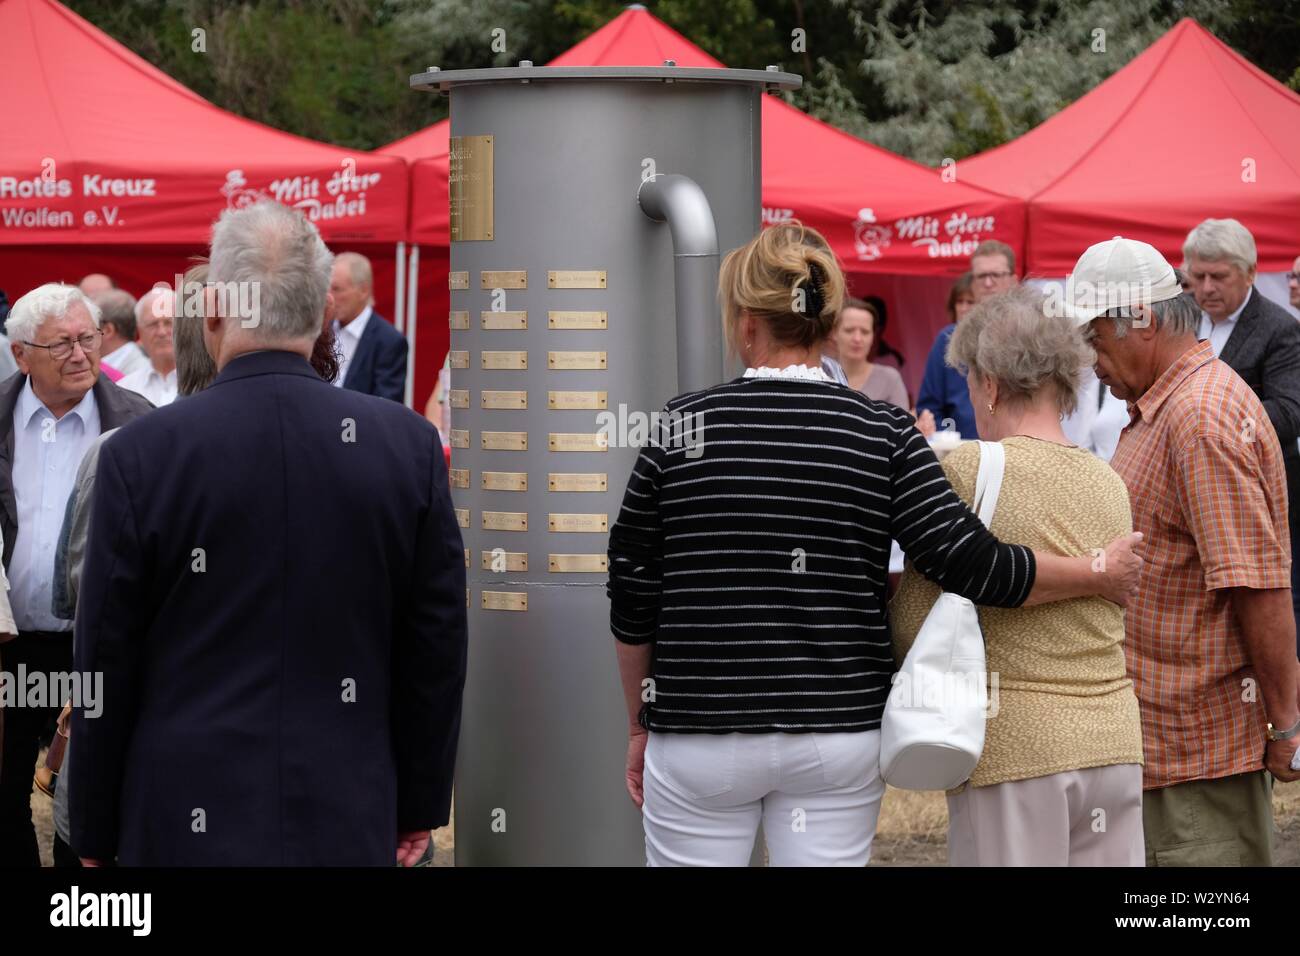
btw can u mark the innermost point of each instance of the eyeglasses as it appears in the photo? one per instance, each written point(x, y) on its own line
point(62, 349)
point(991, 276)
point(1293, 276)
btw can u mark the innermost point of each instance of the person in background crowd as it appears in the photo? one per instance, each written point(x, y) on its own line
point(1065, 738)
point(744, 728)
point(1257, 338)
point(438, 409)
point(195, 371)
point(93, 284)
point(1293, 283)
point(121, 351)
point(50, 413)
point(943, 390)
point(8, 366)
point(1210, 636)
point(882, 351)
point(1184, 281)
point(372, 353)
point(155, 317)
point(288, 775)
point(854, 334)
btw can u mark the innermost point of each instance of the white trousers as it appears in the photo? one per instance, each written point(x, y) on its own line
point(816, 795)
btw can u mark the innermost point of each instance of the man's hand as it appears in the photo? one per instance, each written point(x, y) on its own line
point(1278, 758)
point(1121, 568)
point(636, 741)
point(411, 846)
point(91, 864)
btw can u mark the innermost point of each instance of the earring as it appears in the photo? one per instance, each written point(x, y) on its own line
point(990, 408)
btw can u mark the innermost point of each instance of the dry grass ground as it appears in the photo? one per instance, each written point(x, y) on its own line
point(913, 829)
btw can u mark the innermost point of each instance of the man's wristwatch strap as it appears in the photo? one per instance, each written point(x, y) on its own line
point(1275, 734)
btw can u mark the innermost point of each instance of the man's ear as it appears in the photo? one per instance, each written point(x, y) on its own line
point(1144, 323)
point(20, 356)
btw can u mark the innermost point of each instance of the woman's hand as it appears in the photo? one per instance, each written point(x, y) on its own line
point(636, 742)
point(925, 423)
point(1120, 567)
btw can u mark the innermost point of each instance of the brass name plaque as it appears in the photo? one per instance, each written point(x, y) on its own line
point(570, 481)
point(458, 321)
point(504, 320)
point(577, 320)
point(509, 360)
point(505, 441)
point(460, 438)
point(494, 399)
point(459, 397)
point(462, 517)
point(467, 597)
point(467, 557)
point(459, 477)
point(578, 562)
point(504, 279)
point(575, 279)
point(459, 358)
point(457, 280)
point(577, 399)
point(571, 441)
point(504, 480)
point(504, 601)
point(469, 187)
point(593, 523)
point(501, 561)
point(505, 521)
point(575, 360)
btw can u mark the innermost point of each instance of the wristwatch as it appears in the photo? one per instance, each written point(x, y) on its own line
point(1275, 734)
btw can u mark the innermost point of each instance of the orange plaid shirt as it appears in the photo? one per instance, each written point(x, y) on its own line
point(1208, 489)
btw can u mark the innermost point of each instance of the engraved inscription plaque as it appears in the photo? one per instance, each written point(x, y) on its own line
point(459, 358)
point(504, 480)
point(577, 481)
point(459, 397)
point(504, 601)
point(496, 399)
point(504, 360)
point(501, 561)
point(505, 441)
point(457, 280)
point(578, 562)
point(505, 521)
point(503, 279)
point(560, 400)
point(460, 438)
point(504, 320)
point(576, 360)
point(469, 187)
point(572, 441)
point(592, 523)
point(458, 321)
point(577, 320)
point(462, 517)
point(575, 279)
point(459, 477)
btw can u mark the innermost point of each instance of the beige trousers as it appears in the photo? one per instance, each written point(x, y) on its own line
point(1089, 817)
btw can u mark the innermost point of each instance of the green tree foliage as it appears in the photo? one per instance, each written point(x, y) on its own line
point(925, 78)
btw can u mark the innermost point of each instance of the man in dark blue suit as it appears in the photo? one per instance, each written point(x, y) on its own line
point(372, 354)
point(259, 709)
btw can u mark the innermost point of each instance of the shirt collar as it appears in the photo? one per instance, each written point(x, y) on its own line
point(1154, 397)
point(358, 325)
point(29, 406)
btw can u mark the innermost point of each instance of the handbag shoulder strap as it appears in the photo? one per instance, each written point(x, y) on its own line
point(988, 484)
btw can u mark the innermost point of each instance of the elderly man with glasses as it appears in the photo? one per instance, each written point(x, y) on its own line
point(50, 414)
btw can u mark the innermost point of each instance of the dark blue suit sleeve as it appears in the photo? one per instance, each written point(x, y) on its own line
point(429, 655)
point(112, 619)
point(390, 367)
point(934, 385)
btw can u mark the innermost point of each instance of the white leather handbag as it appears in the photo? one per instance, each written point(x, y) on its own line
point(932, 732)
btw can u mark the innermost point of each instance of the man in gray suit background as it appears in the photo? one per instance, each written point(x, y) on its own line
point(1256, 337)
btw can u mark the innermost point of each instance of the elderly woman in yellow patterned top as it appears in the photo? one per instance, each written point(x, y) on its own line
point(1060, 779)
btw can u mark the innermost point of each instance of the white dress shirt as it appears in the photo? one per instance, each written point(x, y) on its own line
point(149, 382)
point(46, 459)
point(127, 358)
point(1218, 332)
point(348, 338)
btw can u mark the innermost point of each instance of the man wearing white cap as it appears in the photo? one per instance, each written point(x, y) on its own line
point(1210, 636)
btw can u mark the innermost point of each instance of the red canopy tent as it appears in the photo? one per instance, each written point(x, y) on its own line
point(899, 228)
point(109, 165)
point(1188, 130)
